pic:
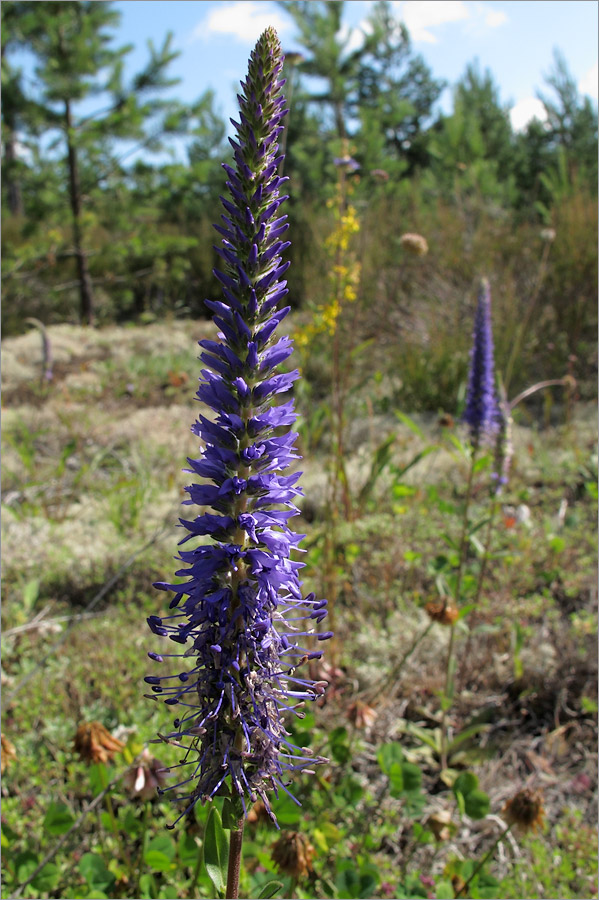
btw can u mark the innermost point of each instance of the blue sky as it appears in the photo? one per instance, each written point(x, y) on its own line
point(513, 38)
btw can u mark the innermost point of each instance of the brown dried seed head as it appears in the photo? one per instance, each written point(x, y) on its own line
point(144, 779)
point(414, 243)
point(94, 743)
point(293, 854)
point(361, 715)
point(8, 753)
point(525, 810)
point(439, 823)
point(258, 813)
point(548, 235)
point(443, 613)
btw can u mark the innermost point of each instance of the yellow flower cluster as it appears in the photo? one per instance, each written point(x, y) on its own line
point(344, 275)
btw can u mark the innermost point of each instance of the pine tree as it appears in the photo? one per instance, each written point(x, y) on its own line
point(380, 86)
point(72, 43)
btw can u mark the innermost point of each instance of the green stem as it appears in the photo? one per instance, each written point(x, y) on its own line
point(487, 549)
point(234, 868)
point(113, 821)
point(488, 854)
point(144, 831)
point(448, 693)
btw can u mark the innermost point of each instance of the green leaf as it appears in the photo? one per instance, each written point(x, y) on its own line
point(270, 889)
point(481, 463)
point(410, 423)
point(160, 853)
point(381, 458)
point(351, 789)
point(8, 834)
point(465, 735)
point(465, 783)
point(129, 822)
point(389, 754)
point(25, 863)
point(46, 880)
point(232, 812)
point(286, 811)
point(162, 843)
point(430, 738)
point(94, 870)
point(147, 886)
point(30, 593)
point(477, 544)
point(400, 471)
point(58, 819)
point(98, 778)
point(396, 785)
point(339, 742)
point(477, 804)
point(412, 777)
point(216, 851)
point(188, 849)
point(444, 890)
point(106, 820)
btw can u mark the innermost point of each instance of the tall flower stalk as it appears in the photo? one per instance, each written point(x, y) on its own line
point(482, 418)
point(239, 617)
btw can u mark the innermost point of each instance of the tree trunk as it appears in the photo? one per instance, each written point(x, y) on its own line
point(86, 294)
point(13, 188)
point(340, 120)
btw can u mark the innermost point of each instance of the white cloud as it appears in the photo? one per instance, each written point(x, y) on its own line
point(244, 20)
point(526, 110)
point(355, 36)
point(588, 82)
point(494, 17)
point(422, 15)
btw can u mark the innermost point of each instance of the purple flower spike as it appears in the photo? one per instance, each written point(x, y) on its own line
point(238, 613)
point(481, 413)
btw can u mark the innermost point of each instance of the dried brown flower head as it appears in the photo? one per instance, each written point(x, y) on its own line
point(94, 743)
point(414, 243)
point(439, 823)
point(8, 752)
point(146, 777)
point(361, 715)
point(525, 810)
point(569, 382)
point(380, 175)
point(548, 235)
point(443, 613)
point(446, 421)
point(293, 854)
point(258, 813)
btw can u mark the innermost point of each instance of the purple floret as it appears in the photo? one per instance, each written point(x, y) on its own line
point(482, 412)
point(239, 615)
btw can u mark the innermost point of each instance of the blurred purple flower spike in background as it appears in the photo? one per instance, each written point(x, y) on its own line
point(482, 412)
